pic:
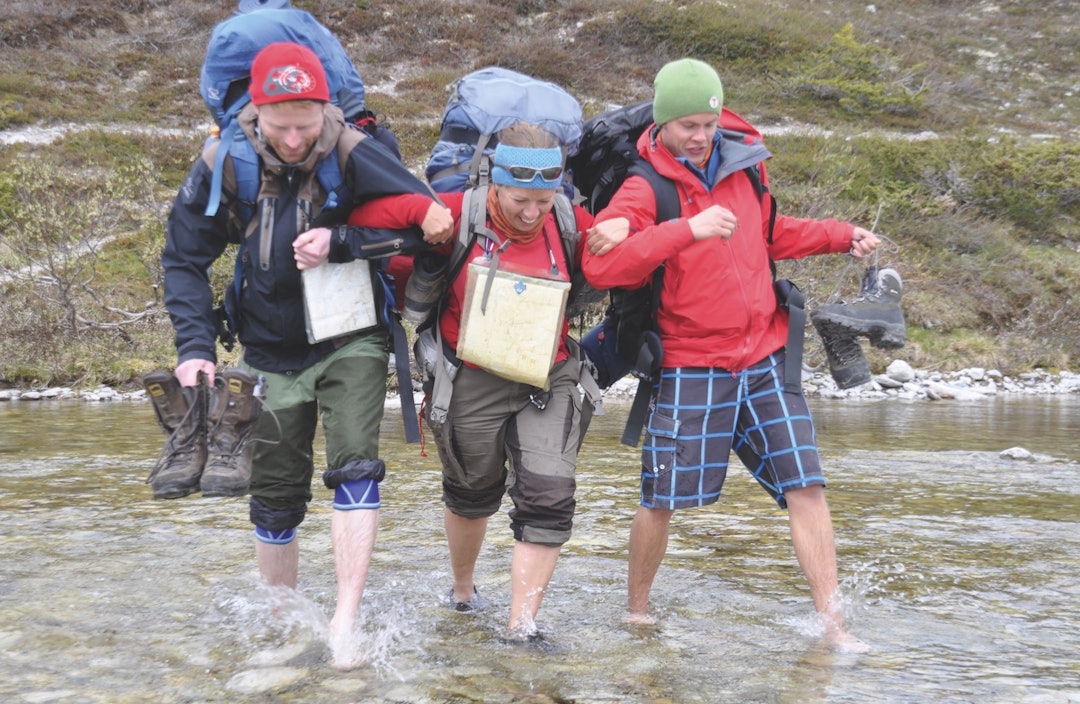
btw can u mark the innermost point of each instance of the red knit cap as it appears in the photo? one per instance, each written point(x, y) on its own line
point(286, 71)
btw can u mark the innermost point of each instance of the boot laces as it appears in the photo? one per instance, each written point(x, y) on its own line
point(239, 438)
point(844, 349)
point(174, 451)
point(871, 285)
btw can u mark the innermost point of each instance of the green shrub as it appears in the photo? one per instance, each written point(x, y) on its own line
point(861, 79)
point(91, 302)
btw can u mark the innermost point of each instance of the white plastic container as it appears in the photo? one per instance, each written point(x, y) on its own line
point(516, 334)
point(338, 299)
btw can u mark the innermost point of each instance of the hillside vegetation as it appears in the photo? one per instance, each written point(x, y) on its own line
point(951, 124)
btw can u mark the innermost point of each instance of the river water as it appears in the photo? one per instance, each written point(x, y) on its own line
point(961, 569)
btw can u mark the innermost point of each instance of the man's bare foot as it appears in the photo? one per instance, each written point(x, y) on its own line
point(345, 648)
point(841, 640)
point(638, 618)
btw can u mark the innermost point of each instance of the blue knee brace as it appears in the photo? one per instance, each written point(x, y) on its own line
point(358, 493)
point(275, 537)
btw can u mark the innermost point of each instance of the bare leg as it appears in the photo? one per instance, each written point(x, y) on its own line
point(278, 564)
point(465, 536)
point(815, 548)
point(353, 533)
point(648, 544)
point(531, 568)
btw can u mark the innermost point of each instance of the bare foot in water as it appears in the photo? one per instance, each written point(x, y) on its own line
point(844, 642)
point(832, 620)
point(638, 618)
point(345, 650)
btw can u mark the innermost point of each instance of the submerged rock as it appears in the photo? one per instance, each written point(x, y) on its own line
point(267, 679)
point(1017, 453)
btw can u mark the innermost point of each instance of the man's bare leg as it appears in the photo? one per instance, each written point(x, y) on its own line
point(278, 564)
point(815, 547)
point(648, 544)
point(353, 534)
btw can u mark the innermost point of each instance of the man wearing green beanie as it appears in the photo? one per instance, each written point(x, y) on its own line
point(723, 329)
point(686, 87)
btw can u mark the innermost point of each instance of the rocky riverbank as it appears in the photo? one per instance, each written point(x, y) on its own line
point(900, 381)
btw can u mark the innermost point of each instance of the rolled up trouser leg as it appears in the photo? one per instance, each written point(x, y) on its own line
point(275, 520)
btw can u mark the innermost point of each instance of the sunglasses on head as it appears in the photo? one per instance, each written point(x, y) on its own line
point(526, 174)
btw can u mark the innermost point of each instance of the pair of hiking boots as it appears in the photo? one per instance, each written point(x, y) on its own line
point(875, 313)
point(209, 432)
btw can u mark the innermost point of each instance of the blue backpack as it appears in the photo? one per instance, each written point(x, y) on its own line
point(481, 104)
point(484, 102)
point(223, 84)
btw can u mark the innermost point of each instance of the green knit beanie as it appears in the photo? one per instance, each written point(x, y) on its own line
point(686, 87)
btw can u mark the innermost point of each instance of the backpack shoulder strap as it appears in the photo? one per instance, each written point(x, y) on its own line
point(569, 235)
point(473, 225)
point(648, 356)
point(480, 164)
point(754, 174)
point(245, 171)
point(234, 184)
point(331, 169)
point(473, 215)
point(664, 190)
point(245, 164)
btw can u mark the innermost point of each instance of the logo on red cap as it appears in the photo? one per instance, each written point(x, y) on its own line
point(288, 80)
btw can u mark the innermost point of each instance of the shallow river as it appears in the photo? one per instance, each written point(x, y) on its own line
point(959, 567)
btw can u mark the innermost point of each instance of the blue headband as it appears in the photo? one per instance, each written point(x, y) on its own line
point(529, 158)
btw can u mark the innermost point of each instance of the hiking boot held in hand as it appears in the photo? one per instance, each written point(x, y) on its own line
point(847, 364)
point(232, 410)
point(875, 312)
point(181, 412)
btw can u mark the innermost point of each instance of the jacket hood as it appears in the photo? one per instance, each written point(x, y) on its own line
point(741, 146)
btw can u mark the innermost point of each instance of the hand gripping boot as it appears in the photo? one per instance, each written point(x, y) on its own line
point(875, 312)
point(847, 363)
point(181, 412)
point(232, 410)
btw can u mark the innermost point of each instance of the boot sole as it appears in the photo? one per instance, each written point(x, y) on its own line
point(175, 492)
point(224, 489)
point(886, 336)
point(852, 382)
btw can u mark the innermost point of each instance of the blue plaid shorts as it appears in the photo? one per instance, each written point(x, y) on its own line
point(701, 414)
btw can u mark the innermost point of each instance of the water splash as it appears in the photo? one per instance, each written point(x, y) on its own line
point(274, 614)
point(386, 633)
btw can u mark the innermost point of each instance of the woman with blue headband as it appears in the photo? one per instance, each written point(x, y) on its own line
point(503, 433)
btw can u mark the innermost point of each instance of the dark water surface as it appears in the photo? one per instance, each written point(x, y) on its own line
point(961, 568)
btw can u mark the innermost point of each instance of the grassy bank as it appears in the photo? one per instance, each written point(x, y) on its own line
point(956, 121)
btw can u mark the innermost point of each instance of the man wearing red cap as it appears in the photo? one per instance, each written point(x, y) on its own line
point(294, 128)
